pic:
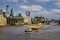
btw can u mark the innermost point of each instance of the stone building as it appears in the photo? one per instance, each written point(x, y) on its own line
point(3, 21)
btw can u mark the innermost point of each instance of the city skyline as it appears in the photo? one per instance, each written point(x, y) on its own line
point(46, 8)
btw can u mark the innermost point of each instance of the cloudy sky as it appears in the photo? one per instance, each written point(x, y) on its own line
point(46, 8)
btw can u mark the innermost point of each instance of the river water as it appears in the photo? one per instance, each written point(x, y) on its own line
point(49, 32)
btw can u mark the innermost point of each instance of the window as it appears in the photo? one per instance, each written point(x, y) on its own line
point(0, 18)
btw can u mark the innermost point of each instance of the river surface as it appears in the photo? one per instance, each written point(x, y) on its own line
point(48, 32)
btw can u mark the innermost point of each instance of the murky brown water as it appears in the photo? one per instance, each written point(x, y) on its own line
point(2, 28)
point(49, 32)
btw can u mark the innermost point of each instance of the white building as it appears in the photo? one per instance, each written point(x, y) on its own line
point(27, 20)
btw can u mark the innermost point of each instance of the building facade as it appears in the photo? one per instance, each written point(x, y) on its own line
point(40, 19)
point(3, 21)
point(15, 21)
point(27, 19)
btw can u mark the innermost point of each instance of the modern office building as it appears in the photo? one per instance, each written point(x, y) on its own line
point(11, 14)
point(8, 11)
point(27, 13)
point(19, 15)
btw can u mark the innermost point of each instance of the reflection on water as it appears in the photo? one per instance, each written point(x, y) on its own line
point(2, 28)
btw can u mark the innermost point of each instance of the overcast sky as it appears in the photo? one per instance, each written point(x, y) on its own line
point(46, 8)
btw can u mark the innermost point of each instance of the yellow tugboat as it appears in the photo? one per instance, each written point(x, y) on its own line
point(32, 28)
point(36, 27)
